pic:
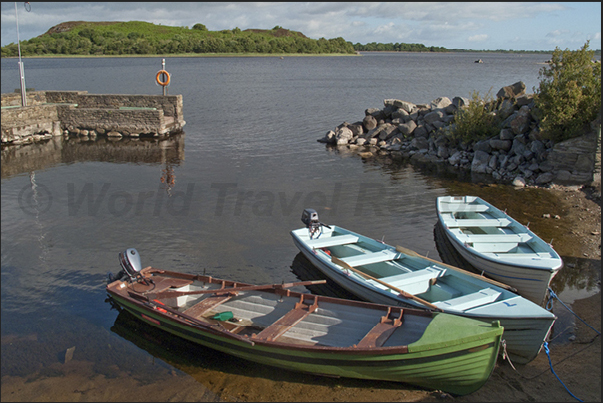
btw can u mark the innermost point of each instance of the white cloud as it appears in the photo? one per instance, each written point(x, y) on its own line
point(478, 38)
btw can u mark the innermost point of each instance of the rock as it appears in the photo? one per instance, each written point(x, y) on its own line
point(480, 162)
point(519, 182)
point(436, 115)
point(407, 128)
point(69, 354)
point(407, 106)
point(440, 103)
point(369, 122)
point(512, 91)
point(460, 102)
point(544, 178)
point(343, 136)
point(419, 143)
point(497, 144)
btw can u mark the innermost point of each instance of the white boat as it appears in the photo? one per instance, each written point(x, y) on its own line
point(498, 246)
point(380, 273)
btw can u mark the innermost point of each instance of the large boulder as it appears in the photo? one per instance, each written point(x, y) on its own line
point(512, 91)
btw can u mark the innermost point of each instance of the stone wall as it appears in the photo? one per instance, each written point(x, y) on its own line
point(517, 154)
point(52, 113)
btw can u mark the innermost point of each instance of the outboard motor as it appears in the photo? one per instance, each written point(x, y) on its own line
point(130, 263)
point(310, 219)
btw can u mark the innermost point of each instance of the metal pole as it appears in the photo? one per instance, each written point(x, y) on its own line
point(21, 70)
point(163, 68)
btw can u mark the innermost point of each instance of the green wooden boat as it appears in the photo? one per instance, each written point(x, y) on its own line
point(273, 325)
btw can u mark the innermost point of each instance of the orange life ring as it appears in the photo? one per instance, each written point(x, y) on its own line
point(158, 78)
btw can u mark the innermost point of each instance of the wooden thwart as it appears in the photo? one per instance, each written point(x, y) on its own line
point(391, 287)
point(174, 294)
point(290, 319)
point(489, 280)
point(379, 334)
point(208, 304)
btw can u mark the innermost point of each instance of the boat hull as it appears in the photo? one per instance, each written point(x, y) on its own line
point(523, 335)
point(521, 267)
point(459, 365)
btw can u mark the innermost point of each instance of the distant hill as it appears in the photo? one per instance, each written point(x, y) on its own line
point(144, 38)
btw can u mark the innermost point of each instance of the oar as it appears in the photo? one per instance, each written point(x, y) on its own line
point(401, 292)
point(409, 252)
point(174, 294)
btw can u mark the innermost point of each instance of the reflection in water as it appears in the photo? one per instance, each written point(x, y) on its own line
point(59, 150)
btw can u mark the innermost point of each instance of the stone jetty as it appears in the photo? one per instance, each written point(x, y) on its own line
point(77, 113)
point(518, 154)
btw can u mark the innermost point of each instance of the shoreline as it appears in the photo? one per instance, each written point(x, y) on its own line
point(577, 363)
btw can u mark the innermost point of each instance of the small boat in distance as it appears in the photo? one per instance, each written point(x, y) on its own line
point(380, 273)
point(272, 325)
point(498, 246)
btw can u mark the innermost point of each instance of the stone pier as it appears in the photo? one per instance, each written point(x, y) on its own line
point(53, 113)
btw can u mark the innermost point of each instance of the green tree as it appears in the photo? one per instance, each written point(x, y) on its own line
point(569, 95)
point(475, 122)
point(200, 27)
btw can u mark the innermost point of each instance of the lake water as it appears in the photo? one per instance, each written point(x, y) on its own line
point(222, 197)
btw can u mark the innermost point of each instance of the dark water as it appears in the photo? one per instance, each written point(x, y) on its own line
point(222, 197)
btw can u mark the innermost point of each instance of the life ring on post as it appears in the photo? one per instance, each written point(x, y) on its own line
point(163, 78)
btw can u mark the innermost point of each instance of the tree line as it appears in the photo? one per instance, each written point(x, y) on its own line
point(90, 39)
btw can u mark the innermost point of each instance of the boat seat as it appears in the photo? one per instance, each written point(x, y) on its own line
point(477, 222)
point(469, 238)
point(453, 208)
point(166, 283)
point(290, 319)
point(469, 301)
point(379, 334)
point(332, 241)
point(207, 304)
point(414, 282)
point(370, 258)
point(500, 247)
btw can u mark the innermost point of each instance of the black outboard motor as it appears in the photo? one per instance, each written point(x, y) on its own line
point(310, 219)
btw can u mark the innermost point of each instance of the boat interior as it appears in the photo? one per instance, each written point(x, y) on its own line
point(489, 231)
point(420, 277)
point(284, 316)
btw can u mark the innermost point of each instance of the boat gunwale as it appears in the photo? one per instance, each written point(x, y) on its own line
point(221, 332)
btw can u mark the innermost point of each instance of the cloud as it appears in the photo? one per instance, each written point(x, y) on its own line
point(478, 38)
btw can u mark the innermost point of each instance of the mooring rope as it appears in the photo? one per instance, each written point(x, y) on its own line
point(546, 349)
point(549, 306)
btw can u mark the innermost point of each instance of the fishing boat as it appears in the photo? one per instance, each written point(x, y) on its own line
point(380, 273)
point(499, 246)
point(273, 325)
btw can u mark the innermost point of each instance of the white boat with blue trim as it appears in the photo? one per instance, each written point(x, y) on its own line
point(498, 246)
point(380, 273)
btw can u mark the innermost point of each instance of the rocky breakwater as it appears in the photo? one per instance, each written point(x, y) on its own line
point(518, 154)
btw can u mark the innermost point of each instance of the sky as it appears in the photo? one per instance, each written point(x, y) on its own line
point(452, 25)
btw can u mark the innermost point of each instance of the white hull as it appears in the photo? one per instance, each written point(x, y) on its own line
point(532, 284)
point(498, 246)
point(526, 325)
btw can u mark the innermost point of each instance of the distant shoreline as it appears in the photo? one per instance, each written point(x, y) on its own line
point(279, 55)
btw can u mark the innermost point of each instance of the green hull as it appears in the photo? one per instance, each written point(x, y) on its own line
point(456, 355)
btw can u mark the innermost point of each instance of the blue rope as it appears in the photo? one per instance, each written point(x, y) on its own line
point(549, 306)
point(546, 349)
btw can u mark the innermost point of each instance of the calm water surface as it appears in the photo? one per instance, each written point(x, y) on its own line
point(222, 197)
